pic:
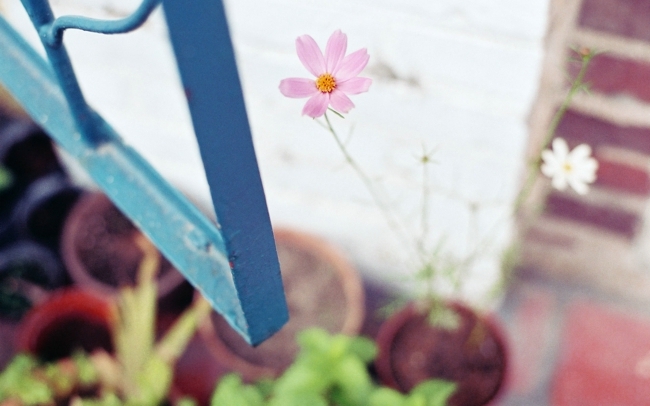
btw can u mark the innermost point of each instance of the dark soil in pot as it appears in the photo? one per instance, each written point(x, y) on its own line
point(473, 355)
point(99, 250)
point(321, 288)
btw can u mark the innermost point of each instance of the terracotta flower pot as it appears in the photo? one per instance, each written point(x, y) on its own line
point(69, 320)
point(98, 248)
point(474, 355)
point(322, 289)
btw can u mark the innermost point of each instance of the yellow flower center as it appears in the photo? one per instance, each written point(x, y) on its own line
point(567, 167)
point(326, 83)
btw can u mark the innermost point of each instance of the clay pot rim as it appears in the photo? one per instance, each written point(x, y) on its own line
point(352, 288)
point(39, 192)
point(87, 202)
point(59, 304)
point(394, 323)
point(28, 250)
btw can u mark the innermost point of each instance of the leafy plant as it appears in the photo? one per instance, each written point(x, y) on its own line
point(27, 382)
point(6, 179)
point(329, 370)
point(140, 372)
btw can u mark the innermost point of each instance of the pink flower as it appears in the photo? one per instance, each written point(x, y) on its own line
point(336, 75)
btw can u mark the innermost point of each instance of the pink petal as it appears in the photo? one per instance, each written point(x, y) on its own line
point(354, 85)
point(316, 105)
point(352, 65)
point(298, 87)
point(340, 102)
point(310, 55)
point(335, 50)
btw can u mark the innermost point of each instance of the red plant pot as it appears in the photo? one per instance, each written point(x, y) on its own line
point(67, 321)
point(474, 355)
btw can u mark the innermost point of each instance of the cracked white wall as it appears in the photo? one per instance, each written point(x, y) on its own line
point(455, 76)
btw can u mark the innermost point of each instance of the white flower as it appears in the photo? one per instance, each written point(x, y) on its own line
point(575, 168)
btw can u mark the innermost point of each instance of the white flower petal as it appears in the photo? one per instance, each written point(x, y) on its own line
point(560, 149)
point(582, 151)
point(580, 187)
point(559, 181)
point(549, 169)
point(549, 158)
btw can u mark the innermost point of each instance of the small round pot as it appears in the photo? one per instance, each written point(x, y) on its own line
point(67, 321)
point(42, 210)
point(473, 355)
point(99, 250)
point(27, 271)
point(322, 289)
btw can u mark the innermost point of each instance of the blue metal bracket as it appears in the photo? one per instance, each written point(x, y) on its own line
point(235, 266)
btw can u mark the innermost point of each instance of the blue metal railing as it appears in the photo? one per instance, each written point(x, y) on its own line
point(234, 264)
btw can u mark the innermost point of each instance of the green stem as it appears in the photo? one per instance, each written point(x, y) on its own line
point(425, 207)
point(533, 170)
point(378, 199)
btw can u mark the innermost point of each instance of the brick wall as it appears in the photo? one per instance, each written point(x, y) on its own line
point(600, 239)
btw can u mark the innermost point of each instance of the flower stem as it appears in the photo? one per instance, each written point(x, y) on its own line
point(425, 160)
point(376, 195)
point(533, 169)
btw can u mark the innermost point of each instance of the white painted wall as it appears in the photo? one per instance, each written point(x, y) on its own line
point(457, 76)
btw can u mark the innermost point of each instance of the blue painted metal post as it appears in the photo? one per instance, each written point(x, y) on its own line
point(206, 60)
point(249, 295)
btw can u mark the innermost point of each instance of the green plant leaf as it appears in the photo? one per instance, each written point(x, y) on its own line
point(109, 399)
point(152, 382)
point(353, 383)
point(364, 348)
point(6, 179)
point(302, 377)
point(436, 391)
point(186, 401)
point(314, 339)
point(171, 346)
point(386, 397)
point(18, 382)
point(298, 399)
point(86, 373)
point(232, 392)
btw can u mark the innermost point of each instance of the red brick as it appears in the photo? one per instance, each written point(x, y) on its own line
point(627, 18)
point(614, 76)
point(610, 219)
point(626, 178)
point(603, 358)
point(578, 128)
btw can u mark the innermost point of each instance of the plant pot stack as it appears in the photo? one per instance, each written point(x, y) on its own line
point(33, 207)
point(58, 241)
